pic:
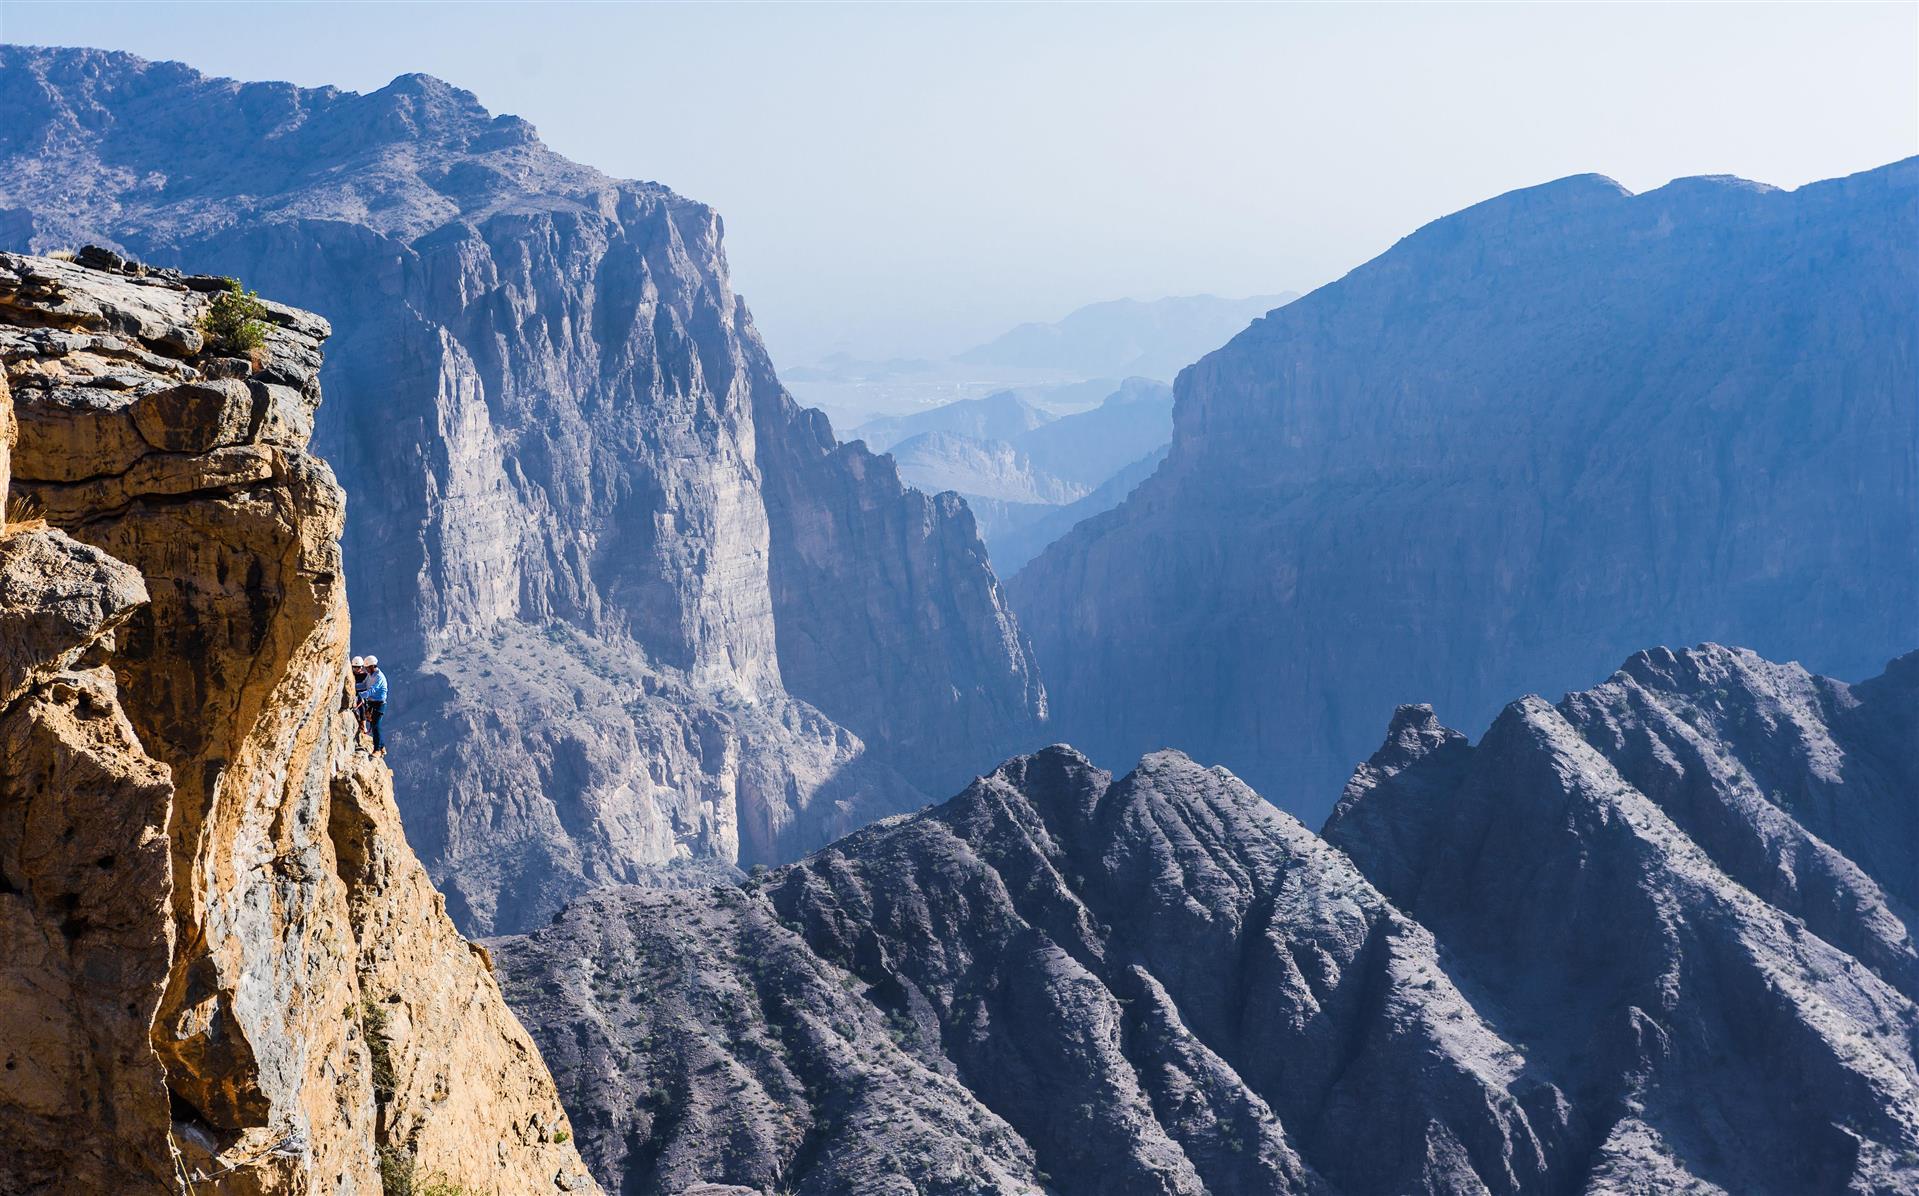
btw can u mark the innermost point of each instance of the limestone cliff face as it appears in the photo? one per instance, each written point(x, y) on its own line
point(639, 606)
point(1528, 439)
point(1657, 937)
point(230, 968)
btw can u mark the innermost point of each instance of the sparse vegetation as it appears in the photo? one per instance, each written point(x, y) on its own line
point(235, 322)
point(396, 1172)
point(400, 1176)
point(24, 513)
point(373, 1025)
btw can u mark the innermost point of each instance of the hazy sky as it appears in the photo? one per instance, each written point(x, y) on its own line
point(914, 178)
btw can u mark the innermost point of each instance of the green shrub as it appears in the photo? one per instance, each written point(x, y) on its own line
point(234, 322)
point(373, 1025)
point(396, 1172)
point(400, 1176)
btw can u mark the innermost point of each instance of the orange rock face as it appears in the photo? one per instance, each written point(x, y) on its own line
point(220, 963)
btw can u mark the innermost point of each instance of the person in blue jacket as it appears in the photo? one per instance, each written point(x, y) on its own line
point(373, 702)
point(359, 701)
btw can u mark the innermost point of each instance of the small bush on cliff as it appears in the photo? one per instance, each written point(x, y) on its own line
point(400, 1176)
point(396, 1172)
point(373, 1025)
point(234, 322)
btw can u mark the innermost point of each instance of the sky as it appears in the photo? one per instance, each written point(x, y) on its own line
point(913, 179)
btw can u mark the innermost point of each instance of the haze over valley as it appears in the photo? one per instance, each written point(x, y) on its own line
point(479, 716)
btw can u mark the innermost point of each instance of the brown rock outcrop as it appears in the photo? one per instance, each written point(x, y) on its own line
point(222, 962)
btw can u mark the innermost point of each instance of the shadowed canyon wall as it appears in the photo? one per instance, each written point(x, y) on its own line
point(1530, 438)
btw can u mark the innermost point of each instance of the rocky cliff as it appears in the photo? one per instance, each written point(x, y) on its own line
point(1610, 948)
point(640, 605)
point(1529, 438)
point(223, 968)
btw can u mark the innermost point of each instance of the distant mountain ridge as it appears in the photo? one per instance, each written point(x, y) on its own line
point(1003, 415)
point(1017, 465)
point(1015, 547)
point(1125, 337)
point(1654, 937)
point(1531, 434)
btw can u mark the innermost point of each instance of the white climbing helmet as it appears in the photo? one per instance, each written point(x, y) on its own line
point(359, 662)
point(372, 661)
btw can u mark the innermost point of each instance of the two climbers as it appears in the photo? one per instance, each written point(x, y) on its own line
point(369, 699)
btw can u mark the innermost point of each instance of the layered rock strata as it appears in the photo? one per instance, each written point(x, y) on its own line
point(225, 967)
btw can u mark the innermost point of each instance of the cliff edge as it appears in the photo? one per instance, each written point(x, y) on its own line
point(220, 962)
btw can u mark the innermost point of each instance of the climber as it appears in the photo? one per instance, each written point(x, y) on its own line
point(359, 700)
point(373, 702)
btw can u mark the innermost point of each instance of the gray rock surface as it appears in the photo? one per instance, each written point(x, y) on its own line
point(703, 1040)
point(1158, 985)
point(636, 603)
point(1604, 950)
point(1526, 440)
point(1688, 891)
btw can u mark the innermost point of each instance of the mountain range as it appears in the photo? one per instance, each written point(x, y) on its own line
point(1063, 364)
point(1153, 338)
point(1528, 436)
point(675, 672)
point(1655, 937)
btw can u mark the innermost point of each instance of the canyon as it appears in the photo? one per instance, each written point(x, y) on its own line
point(640, 607)
point(677, 674)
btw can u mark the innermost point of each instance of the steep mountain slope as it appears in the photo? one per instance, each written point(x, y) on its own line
point(1162, 984)
point(1643, 971)
point(639, 605)
point(220, 963)
point(1003, 415)
point(1530, 436)
point(1153, 339)
point(701, 1038)
point(1640, 878)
